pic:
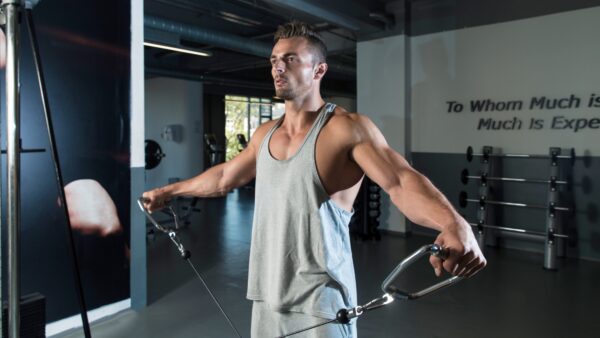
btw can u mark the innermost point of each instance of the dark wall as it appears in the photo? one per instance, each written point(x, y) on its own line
point(84, 49)
point(444, 170)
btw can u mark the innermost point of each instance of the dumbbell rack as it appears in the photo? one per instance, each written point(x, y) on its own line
point(486, 233)
point(367, 207)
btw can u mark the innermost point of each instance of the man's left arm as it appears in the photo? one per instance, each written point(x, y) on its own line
point(417, 198)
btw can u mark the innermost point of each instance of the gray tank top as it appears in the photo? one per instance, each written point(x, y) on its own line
point(300, 255)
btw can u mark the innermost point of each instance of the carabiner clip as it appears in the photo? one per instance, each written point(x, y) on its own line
point(393, 291)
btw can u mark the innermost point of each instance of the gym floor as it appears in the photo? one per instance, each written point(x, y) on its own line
point(513, 297)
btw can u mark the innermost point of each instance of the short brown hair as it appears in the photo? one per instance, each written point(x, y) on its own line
point(301, 29)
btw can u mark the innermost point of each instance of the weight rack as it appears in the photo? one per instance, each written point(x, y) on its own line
point(552, 237)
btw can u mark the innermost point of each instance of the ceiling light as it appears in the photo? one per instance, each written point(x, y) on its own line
point(178, 49)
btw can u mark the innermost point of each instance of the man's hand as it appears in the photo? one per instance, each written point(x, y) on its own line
point(464, 256)
point(156, 199)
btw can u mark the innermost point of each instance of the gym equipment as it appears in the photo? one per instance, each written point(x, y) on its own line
point(552, 238)
point(367, 207)
point(12, 19)
point(484, 178)
point(154, 154)
point(33, 316)
point(215, 152)
point(185, 254)
point(553, 155)
point(32, 150)
point(184, 208)
point(482, 201)
point(539, 234)
point(391, 292)
point(11, 15)
point(242, 141)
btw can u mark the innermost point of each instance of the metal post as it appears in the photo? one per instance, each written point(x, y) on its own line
point(485, 214)
point(11, 10)
point(407, 81)
point(408, 92)
point(550, 243)
point(57, 171)
point(2, 22)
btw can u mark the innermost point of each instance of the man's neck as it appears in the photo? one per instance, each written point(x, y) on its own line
point(301, 112)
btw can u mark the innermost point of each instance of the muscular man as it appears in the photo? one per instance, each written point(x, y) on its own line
point(308, 167)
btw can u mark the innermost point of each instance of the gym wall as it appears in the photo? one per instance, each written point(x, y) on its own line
point(170, 101)
point(86, 63)
point(347, 103)
point(521, 67)
point(496, 85)
point(380, 95)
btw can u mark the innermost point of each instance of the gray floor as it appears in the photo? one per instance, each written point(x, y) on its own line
point(512, 297)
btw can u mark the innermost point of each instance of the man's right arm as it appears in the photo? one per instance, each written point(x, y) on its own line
point(216, 181)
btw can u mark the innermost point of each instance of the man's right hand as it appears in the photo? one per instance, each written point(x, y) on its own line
point(156, 199)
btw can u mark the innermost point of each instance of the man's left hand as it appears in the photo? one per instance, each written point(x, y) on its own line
point(464, 255)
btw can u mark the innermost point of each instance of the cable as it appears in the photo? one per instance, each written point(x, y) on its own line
point(185, 254)
point(214, 298)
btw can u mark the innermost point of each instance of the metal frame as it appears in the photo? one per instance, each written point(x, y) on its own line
point(553, 238)
point(12, 17)
point(11, 10)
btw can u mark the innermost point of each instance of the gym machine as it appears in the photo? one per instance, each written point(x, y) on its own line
point(15, 13)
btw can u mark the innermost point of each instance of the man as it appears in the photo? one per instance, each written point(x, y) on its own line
point(308, 167)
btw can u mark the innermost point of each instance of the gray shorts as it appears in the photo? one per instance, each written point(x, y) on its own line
point(267, 323)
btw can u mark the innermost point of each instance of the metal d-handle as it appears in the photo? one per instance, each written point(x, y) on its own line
point(393, 291)
point(344, 316)
point(140, 202)
point(185, 254)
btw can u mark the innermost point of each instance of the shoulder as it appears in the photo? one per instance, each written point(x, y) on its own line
point(260, 133)
point(351, 124)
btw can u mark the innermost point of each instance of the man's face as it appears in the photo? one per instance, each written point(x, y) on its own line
point(293, 68)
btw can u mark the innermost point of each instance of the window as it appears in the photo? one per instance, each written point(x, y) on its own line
point(242, 116)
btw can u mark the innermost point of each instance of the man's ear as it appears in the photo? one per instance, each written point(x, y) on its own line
point(320, 70)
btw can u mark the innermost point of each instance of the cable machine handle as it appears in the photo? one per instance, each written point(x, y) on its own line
point(432, 249)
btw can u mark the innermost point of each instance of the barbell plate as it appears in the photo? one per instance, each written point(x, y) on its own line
point(464, 176)
point(469, 154)
point(462, 199)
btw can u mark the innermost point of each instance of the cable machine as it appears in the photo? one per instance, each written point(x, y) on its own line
point(13, 14)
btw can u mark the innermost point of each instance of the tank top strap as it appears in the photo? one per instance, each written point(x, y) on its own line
point(265, 142)
point(324, 115)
